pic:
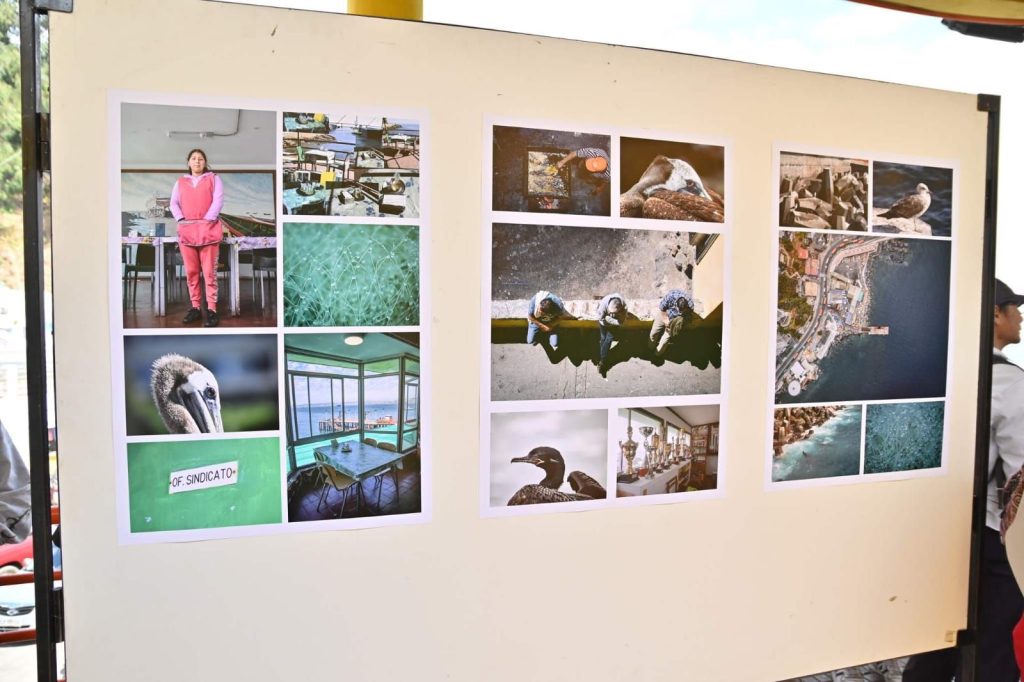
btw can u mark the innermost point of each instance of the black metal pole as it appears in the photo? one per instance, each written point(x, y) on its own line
point(968, 644)
point(32, 168)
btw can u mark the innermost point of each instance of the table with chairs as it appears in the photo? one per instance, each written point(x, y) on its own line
point(347, 469)
point(158, 257)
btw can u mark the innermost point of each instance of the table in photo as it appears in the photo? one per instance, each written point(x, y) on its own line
point(163, 244)
point(297, 203)
point(362, 461)
point(659, 484)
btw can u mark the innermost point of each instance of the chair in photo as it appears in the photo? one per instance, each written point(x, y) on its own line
point(125, 258)
point(672, 485)
point(140, 258)
point(264, 266)
point(329, 476)
point(393, 470)
point(223, 256)
point(370, 441)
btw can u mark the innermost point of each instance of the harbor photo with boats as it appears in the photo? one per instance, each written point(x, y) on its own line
point(337, 164)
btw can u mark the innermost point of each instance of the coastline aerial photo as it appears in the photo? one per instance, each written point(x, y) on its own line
point(903, 437)
point(816, 442)
point(861, 318)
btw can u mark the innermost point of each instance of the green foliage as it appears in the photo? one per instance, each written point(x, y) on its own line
point(10, 102)
point(791, 300)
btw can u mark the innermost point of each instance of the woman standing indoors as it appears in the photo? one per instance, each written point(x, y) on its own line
point(196, 201)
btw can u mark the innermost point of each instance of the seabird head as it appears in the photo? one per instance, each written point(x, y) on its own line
point(689, 179)
point(548, 459)
point(683, 178)
point(923, 188)
point(187, 395)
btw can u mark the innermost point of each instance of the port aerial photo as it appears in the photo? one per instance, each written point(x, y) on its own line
point(861, 318)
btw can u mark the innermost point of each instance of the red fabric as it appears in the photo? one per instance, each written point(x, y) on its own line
point(1018, 643)
point(201, 258)
point(194, 229)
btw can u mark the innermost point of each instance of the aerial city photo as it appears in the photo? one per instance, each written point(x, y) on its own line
point(861, 318)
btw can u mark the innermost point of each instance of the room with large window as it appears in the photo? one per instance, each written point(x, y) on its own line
point(353, 424)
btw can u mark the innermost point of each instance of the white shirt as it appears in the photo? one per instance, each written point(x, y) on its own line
point(1006, 438)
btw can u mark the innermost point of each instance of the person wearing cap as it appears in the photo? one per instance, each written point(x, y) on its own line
point(543, 314)
point(674, 312)
point(594, 162)
point(611, 314)
point(1000, 601)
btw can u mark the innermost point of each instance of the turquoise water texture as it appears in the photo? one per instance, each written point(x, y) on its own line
point(903, 437)
point(351, 275)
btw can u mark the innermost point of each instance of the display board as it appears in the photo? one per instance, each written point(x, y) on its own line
point(653, 581)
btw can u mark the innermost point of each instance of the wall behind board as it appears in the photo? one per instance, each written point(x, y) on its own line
point(803, 580)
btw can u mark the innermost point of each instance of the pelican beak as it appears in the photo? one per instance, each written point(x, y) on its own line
point(205, 409)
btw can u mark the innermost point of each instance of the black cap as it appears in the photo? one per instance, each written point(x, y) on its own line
point(1004, 295)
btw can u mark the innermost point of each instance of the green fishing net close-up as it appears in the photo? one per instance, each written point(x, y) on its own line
point(351, 275)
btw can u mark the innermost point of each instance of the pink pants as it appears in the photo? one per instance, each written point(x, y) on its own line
point(204, 258)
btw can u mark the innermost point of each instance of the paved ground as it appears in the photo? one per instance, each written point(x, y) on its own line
point(588, 263)
point(18, 663)
point(523, 372)
point(882, 671)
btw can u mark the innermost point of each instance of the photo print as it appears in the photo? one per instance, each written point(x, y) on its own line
point(861, 318)
point(672, 180)
point(197, 217)
point(339, 275)
point(551, 171)
point(823, 192)
point(666, 450)
point(354, 428)
point(903, 437)
point(200, 384)
point(580, 312)
point(202, 484)
point(542, 458)
point(336, 164)
point(816, 442)
point(911, 199)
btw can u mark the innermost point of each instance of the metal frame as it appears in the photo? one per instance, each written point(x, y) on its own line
point(35, 162)
point(967, 638)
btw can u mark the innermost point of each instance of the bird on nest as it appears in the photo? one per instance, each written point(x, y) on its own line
point(550, 460)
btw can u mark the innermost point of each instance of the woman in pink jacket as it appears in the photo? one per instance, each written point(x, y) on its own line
point(196, 201)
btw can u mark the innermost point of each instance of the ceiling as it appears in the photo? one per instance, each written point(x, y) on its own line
point(695, 415)
point(374, 346)
point(159, 136)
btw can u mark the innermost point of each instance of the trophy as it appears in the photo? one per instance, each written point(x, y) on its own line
point(628, 448)
point(646, 432)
